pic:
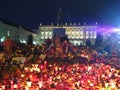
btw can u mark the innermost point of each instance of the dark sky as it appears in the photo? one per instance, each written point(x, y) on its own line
point(30, 13)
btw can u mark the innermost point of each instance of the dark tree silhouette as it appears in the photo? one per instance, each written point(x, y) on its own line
point(48, 42)
point(63, 38)
point(30, 39)
point(99, 40)
point(88, 43)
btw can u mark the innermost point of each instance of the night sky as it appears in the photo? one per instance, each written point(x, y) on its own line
point(30, 13)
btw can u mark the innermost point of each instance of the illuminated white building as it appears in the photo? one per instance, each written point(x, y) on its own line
point(15, 32)
point(77, 34)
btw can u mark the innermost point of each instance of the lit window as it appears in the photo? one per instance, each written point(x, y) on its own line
point(74, 23)
point(42, 33)
point(86, 32)
point(87, 37)
point(74, 42)
point(73, 32)
point(77, 37)
point(91, 36)
point(50, 33)
point(68, 33)
point(91, 33)
point(46, 37)
point(81, 36)
point(94, 37)
point(94, 33)
point(69, 36)
point(46, 33)
point(81, 32)
point(50, 37)
point(76, 32)
point(42, 37)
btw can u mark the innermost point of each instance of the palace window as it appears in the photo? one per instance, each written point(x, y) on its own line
point(46, 37)
point(87, 33)
point(81, 32)
point(50, 37)
point(46, 33)
point(87, 36)
point(81, 36)
point(42, 37)
point(94, 34)
point(73, 32)
point(42, 33)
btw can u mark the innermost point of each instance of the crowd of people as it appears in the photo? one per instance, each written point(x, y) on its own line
point(30, 67)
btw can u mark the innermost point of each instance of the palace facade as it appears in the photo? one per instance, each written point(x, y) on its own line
point(77, 34)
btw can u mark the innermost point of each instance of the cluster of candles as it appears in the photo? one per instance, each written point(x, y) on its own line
point(63, 76)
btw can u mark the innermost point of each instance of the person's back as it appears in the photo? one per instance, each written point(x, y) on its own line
point(8, 46)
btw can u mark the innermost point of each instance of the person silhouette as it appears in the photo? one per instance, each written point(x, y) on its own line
point(8, 45)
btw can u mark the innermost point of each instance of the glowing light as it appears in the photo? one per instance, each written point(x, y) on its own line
point(26, 88)
point(38, 70)
point(113, 85)
point(40, 24)
point(15, 86)
point(40, 84)
point(3, 87)
point(103, 88)
point(26, 69)
point(2, 39)
point(42, 37)
point(103, 75)
point(91, 84)
point(46, 37)
point(29, 84)
point(22, 75)
point(116, 30)
point(89, 68)
point(22, 41)
point(96, 23)
point(34, 42)
point(106, 84)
